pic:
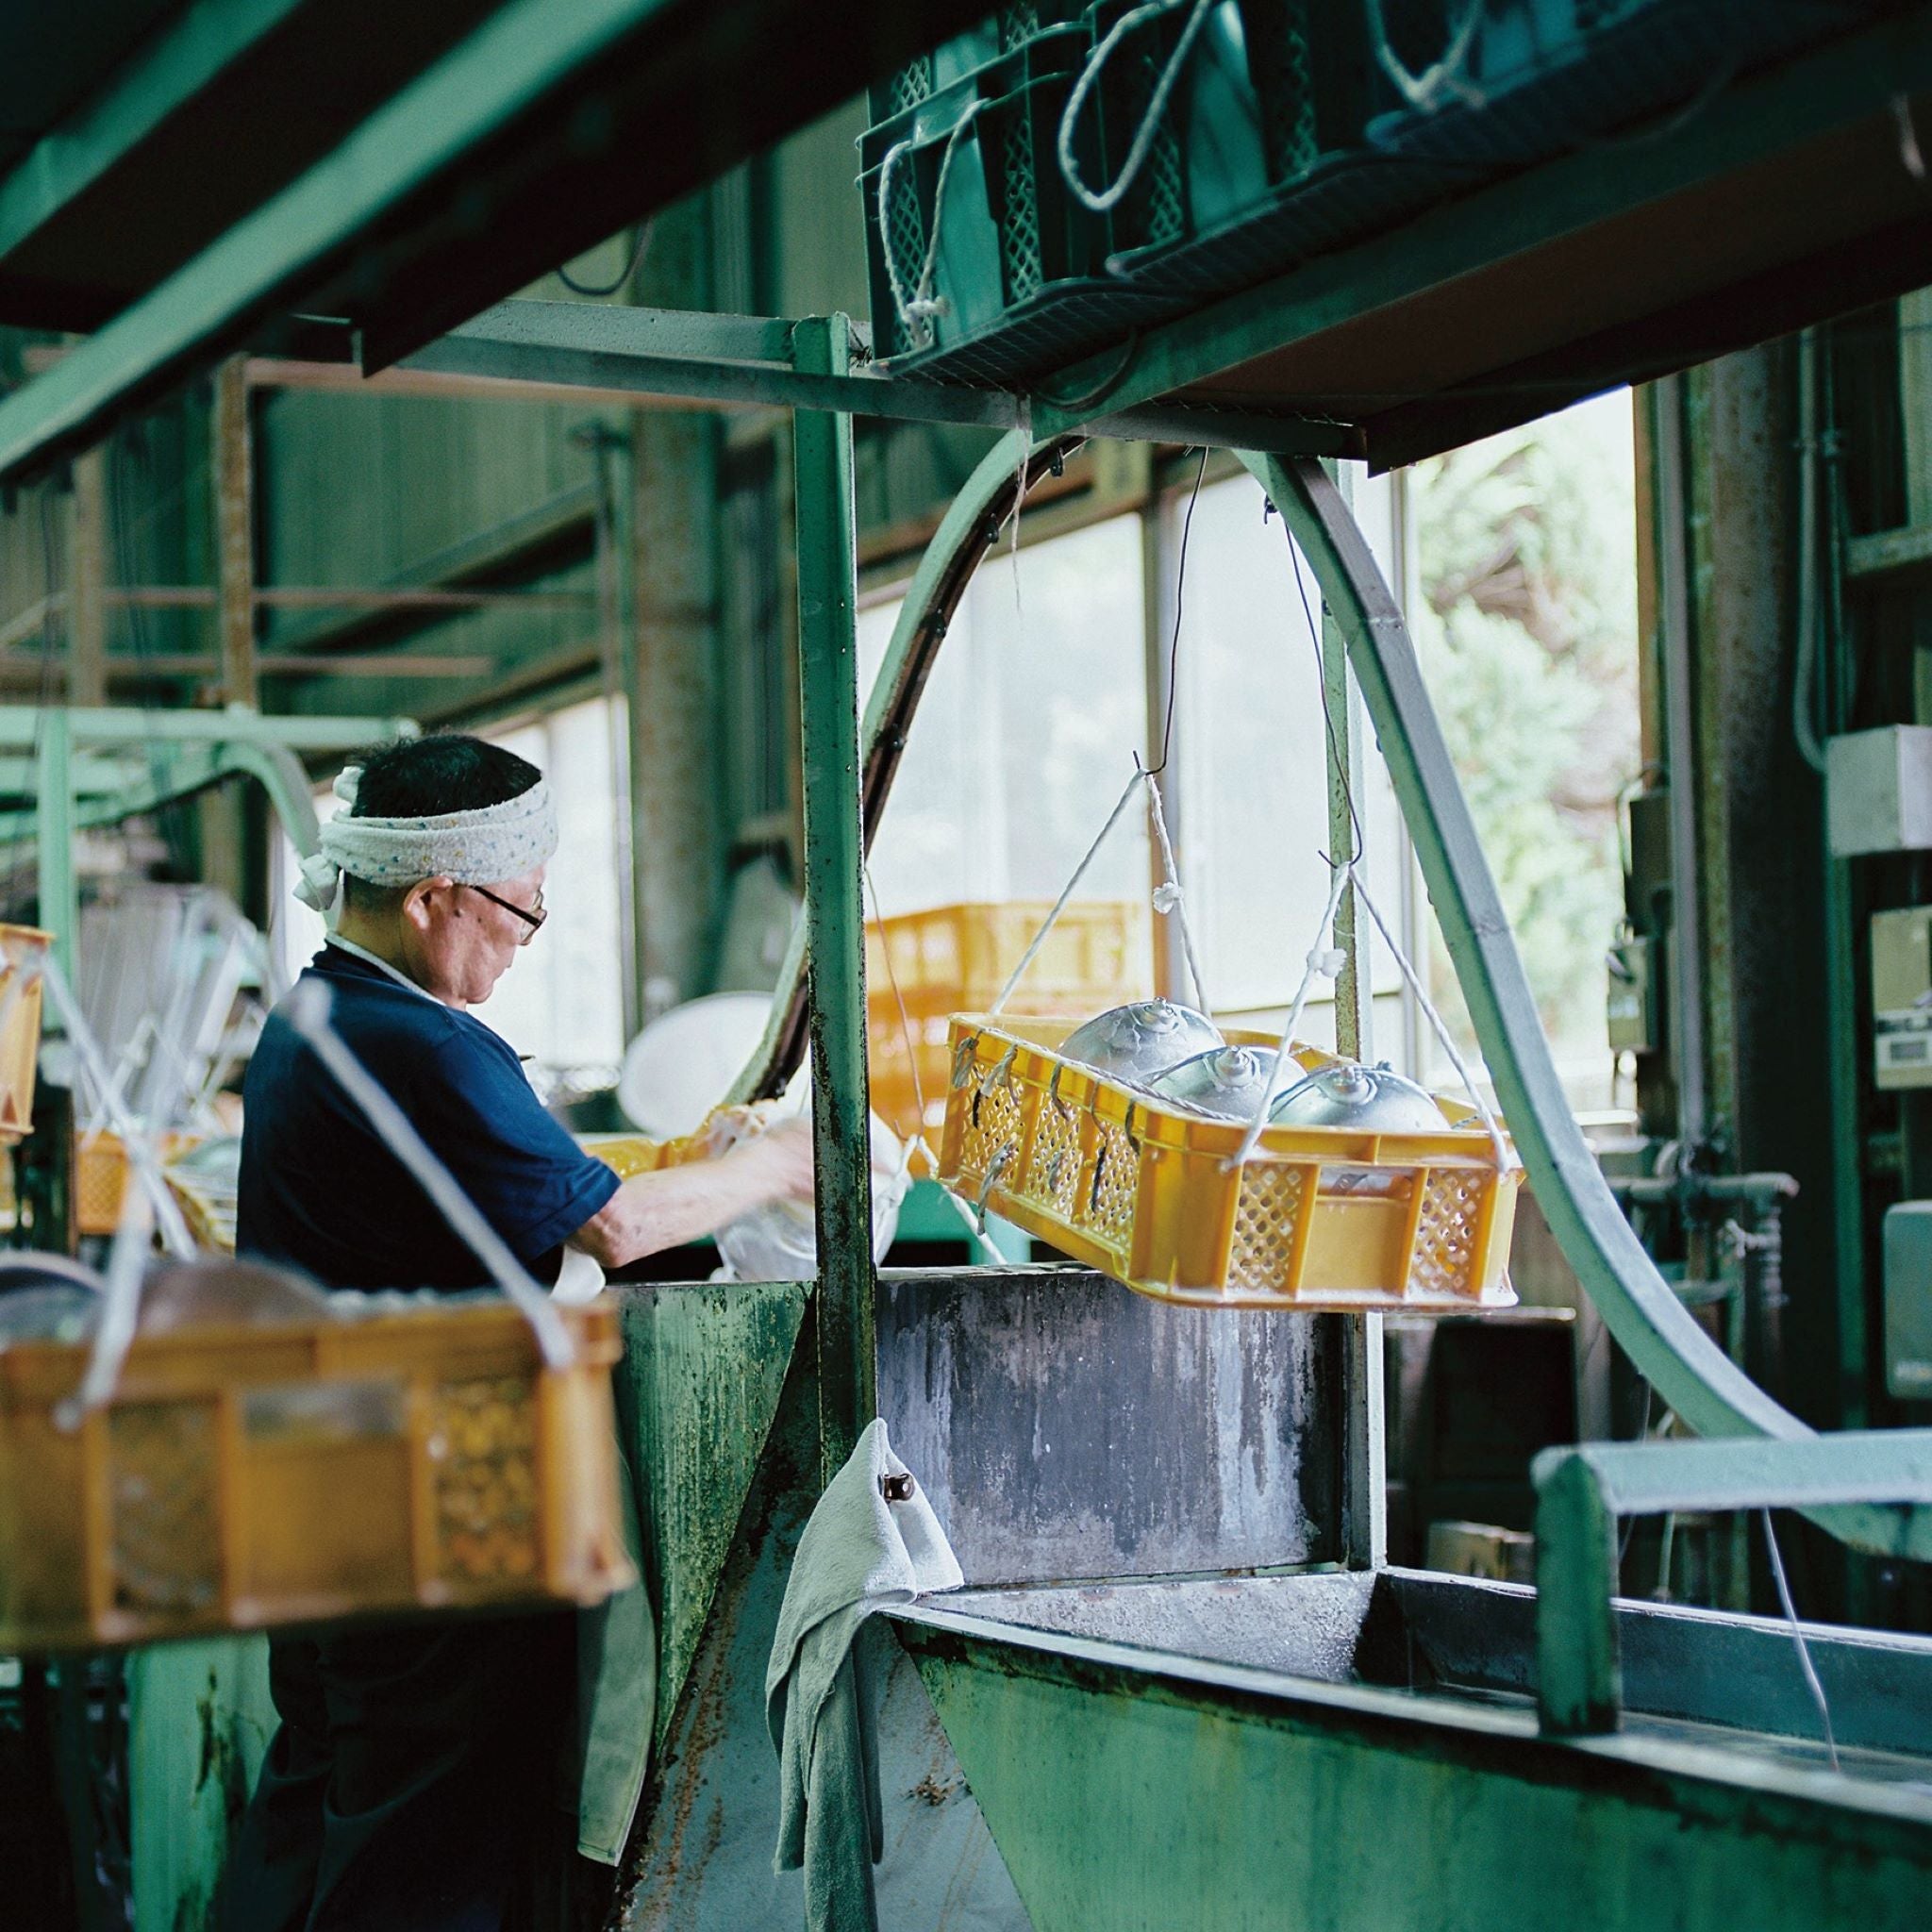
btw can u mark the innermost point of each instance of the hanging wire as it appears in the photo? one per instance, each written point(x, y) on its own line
point(624, 275)
point(1805, 1663)
point(1180, 590)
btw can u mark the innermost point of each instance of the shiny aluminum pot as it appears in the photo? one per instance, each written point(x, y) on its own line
point(1227, 1081)
point(1135, 1042)
point(1369, 1100)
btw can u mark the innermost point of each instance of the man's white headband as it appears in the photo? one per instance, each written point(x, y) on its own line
point(474, 848)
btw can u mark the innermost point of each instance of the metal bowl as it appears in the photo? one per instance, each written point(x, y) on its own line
point(1135, 1042)
point(1227, 1081)
point(1370, 1100)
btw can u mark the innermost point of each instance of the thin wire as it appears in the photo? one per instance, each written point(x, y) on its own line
point(1335, 757)
point(625, 273)
point(1805, 1664)
point(1174, 649)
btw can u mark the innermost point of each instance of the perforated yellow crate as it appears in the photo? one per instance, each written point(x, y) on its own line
point(101, 1176)
point(22, 949)
point(1317, 1218)
point(245, 1475)
point(955, 959)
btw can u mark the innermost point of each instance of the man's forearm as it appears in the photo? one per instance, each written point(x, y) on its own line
point(676, 1204)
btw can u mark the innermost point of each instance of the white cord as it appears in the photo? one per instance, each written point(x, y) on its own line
point(1426, 90)
point(916, 312)
point(1100, 202)
point(120, 1311)
point(1170, 900)
point(308, 1009)
point(1319, 963)
point(1805, 1664)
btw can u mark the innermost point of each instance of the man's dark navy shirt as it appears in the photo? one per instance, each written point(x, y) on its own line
point(320, 1191)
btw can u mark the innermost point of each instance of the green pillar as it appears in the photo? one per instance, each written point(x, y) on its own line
point(59, 888)
point(834, 919)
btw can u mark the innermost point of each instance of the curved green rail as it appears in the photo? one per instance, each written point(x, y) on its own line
point(1688, 1370)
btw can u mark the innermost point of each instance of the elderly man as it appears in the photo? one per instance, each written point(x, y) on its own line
point(413, 1763)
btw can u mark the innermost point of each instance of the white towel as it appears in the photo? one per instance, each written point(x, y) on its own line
point(859, 1554)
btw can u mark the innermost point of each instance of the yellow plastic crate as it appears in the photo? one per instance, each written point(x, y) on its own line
point(22, 947)
point(1318, 1217)
point(210, 1494)
point(955, 959)
point(101, 1176)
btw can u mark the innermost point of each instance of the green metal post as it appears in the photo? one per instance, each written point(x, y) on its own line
point(54, 823)
point(1354, 1019)
point(834, 914)
point(1579, 1678)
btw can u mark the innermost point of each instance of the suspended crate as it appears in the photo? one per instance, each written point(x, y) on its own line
point(248, 1473)
point(1257, 158)
point(955, 959)
point(22, 950)
point(1323, 1217)
point(965, 180)
point(101, 1176)
point(1534, 79)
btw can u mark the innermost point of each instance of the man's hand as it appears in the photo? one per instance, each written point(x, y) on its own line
point(783, 1156)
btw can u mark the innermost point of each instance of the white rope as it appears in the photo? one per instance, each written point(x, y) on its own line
point(1322, 961)
point(1805, 1663)
point(1168, 899)
point(1099, 202)
point(1428, 89)
point(135, 1142)
point(120, 1312)
point(308, 1008)
point(1485, 1113)
point(1032, 952)
point(916, 312)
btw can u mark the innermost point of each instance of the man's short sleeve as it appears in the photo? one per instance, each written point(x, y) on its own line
point(535, 1184)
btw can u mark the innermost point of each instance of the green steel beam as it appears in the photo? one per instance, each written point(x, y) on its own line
point(156, 83)
point(20, 726)
point(523, 52)
point(834, 906)
point(747, 361)
point(1691, 1373)
point(1582, 1492)
point(1801, 100)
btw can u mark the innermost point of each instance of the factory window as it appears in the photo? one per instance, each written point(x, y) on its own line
point(561, 1003)
point(1025, 732)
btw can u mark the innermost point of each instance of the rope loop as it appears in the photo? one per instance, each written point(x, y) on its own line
point(1101, 201)
point(918, 311)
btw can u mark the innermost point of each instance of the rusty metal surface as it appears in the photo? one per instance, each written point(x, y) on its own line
point(702, 1858)
point(1066, 1428)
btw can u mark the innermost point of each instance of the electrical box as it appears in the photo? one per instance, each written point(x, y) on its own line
point(1878, 791)
point(1632, 1005)
point(1902, 996)
point(1909, 1300)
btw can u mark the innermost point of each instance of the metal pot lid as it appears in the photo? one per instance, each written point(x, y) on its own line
point(1136, 1041)
point(1369, 1100)
point(1227, 1081)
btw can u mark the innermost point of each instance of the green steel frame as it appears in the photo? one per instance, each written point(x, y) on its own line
point(1582, 1492)
point(78, 783)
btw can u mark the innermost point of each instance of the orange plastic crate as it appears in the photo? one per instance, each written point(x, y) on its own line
point(955, 959)
point(21, 948)
point(1318, 1217)
point(101, 1177)
point(210, 1494)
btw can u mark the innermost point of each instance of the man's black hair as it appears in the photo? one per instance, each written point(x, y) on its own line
point(423, 778)
point(448, 770)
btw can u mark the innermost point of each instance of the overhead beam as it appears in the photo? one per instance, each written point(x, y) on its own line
point(404, 379)
point(735, 361)
point(26, 673)
point(158, 82)
point(527, 49)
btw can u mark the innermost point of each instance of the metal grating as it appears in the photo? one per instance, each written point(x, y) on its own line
point(1283, 74)
point(904, 236)
point(163, 1483)
point(1444, 1255)
point(1267, 1214)
point(1019, 231)
point(1053, 1170)
point(1115, 1186)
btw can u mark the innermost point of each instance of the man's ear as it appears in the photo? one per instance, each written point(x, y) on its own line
point(416, 901)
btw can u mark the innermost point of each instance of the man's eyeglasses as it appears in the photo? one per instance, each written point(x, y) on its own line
point(532, 916)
